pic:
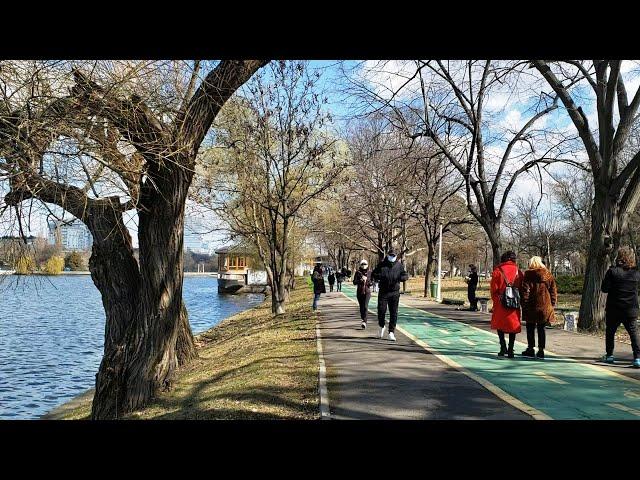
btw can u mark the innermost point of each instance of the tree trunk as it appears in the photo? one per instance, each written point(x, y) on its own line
point(604, 222)
point(160, 337)
point(427, 275)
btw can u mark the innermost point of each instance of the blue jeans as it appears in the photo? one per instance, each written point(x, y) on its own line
point(316, 297)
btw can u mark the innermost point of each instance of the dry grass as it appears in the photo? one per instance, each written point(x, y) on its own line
point(456, 288)
point(250, 366)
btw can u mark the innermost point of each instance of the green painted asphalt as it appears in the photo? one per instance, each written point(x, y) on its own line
point(559, 387)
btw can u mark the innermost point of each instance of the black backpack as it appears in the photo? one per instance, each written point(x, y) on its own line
point(510, 298)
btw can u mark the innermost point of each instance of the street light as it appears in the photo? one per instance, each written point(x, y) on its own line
point(439, 298)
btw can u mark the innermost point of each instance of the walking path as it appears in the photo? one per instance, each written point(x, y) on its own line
point(448, 369)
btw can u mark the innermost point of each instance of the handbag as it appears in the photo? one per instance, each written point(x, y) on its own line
point(510, 298)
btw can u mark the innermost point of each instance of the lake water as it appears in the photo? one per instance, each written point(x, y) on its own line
point(52, 335)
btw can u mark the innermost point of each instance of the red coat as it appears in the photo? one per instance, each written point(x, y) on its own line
point(507, 320)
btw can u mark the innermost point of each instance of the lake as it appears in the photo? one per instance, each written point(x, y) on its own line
point(52, 335)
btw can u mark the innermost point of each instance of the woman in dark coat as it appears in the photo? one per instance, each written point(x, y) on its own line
point(505, 320)
point(317, 277)
point(539, 295)
point(621, 286)
point(363, 281)
point(332, 280)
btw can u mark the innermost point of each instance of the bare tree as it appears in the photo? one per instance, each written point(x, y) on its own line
point(446, 101)
point(614, 161)
point(117, 114)
point(279, 159)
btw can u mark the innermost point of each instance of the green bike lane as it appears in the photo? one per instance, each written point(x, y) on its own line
point(555, 388)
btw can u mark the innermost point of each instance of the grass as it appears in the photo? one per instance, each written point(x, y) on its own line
point(456, 288)
point(251, 366)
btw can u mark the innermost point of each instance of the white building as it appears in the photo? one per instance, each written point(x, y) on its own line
point(72, 235)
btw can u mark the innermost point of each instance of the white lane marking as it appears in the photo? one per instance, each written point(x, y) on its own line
point(551, 378)
point(442, 330)
point(468, 342)
point(322, 378)
point(624, 408)
point(444, 341)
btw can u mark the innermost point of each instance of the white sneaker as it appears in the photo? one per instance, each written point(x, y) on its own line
point(383, 330)
point(363, 325)
point(392, 337)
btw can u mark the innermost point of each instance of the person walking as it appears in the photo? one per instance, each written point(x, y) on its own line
point(621, 286)
point(332, 280)
point(363, 281)
point(472, 286)
point(389, 273)
point(339, 279)
point(505, 293)
point(539, 295)
point(317, 277)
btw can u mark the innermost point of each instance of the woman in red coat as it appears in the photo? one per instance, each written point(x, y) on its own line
point(505, 320)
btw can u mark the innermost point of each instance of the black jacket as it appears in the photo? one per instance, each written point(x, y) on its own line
point(389, 275)
point(473, 281)
point(331, 278)
point(621, 287)
point(362, 287)
point(318, 282)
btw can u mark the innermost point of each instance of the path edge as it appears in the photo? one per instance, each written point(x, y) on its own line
point(322, 376)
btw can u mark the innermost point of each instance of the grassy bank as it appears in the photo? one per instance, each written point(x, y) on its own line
point(250, 366)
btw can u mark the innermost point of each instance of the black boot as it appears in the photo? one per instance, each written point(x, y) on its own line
point(503, 350)
point(510, 353)
point(540, 354)
point(529, 352)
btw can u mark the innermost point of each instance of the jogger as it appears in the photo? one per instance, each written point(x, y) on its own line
point(363, 281)
point(389, 274)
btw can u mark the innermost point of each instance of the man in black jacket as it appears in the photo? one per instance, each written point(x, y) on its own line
point(389, 273)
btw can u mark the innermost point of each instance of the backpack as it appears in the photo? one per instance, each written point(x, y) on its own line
point(510, 298)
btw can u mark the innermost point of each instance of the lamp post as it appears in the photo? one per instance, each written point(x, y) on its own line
point(440, 266)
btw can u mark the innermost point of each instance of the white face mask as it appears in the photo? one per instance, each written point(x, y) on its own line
point(392, 258)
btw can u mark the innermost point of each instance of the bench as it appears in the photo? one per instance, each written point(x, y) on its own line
point(484, 302)
point(452, 301)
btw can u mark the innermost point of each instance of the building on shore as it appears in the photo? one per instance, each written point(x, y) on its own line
point(70, 235)
point(239, 271)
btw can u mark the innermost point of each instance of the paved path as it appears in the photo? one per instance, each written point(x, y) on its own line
point(370, 378)
point(444, 368)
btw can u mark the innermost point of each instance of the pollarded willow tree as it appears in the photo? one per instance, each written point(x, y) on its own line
point(144, 124)
point(454, 103)
point(278, 157)
point(614, 159)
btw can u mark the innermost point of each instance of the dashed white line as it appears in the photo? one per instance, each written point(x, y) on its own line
point(551, 378)
point(468, 342)
point(624, 408)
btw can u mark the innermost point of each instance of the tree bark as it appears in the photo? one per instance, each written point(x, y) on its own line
point(604, 223)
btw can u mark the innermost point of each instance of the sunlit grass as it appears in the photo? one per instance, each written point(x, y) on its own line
point(251, 366)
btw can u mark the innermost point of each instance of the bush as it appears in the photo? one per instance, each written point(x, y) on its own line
point(25, 265)
point(570, 283)
point(54, 265)
point(75, 262)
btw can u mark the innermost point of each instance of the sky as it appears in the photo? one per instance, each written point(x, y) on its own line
point(507, 111)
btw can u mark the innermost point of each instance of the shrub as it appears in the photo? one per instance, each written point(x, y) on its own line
point(570, 283)
point(54, 265)
point(25, 265)
point(75, 262)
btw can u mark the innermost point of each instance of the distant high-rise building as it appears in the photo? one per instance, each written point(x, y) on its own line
point(69, 235)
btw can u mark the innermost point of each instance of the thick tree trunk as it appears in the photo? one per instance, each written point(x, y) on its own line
point(604, 222)
point(160, 338)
